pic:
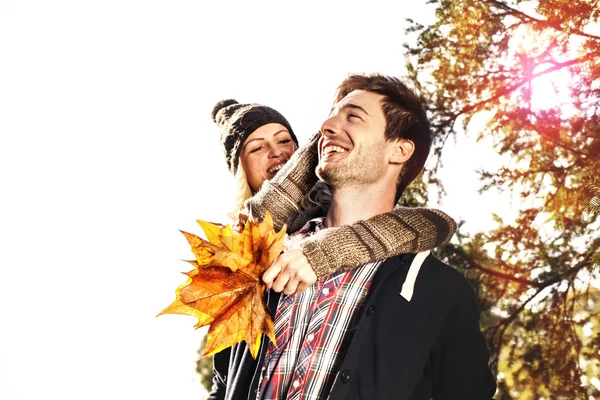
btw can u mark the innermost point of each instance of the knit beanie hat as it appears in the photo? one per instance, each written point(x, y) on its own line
point(237, 121)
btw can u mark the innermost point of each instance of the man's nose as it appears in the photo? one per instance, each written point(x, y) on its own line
point(330, 126)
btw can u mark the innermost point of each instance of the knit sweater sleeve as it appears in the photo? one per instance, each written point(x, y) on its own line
point(281, 195)
point(405, 230)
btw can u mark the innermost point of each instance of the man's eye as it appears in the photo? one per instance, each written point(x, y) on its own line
point(353, 115)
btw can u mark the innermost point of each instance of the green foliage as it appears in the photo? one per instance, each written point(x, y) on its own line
point(594, 206)
point(536, 277)
point(415, 195)
point(204, 367)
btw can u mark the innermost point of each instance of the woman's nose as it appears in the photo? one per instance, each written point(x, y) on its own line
point(275, 151)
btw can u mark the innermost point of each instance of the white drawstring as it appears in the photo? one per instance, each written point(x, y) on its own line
point(409, 284)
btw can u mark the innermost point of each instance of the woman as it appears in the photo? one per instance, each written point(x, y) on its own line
point(258, 142)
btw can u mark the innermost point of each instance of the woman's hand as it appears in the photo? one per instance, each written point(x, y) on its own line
point(290, 272)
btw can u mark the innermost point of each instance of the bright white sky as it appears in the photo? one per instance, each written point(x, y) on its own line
point(107, 149)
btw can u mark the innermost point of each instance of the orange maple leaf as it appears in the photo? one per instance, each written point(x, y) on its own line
point(224, 290)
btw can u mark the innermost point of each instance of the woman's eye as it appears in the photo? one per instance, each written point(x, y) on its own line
point(284, 141)
point(254, 150)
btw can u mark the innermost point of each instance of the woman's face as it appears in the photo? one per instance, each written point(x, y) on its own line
point(264, 152)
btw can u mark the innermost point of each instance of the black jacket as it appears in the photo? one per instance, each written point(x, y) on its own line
point(428, 348)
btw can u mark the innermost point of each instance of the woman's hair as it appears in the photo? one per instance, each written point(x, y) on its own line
point(318, 196)
point(316, 202)
point(242, 193)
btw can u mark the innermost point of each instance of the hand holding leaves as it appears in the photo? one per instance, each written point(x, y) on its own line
point(224, 290)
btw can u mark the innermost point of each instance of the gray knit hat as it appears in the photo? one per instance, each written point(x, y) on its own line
point(237, 121)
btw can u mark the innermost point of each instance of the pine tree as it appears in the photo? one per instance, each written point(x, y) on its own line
point(532, 71)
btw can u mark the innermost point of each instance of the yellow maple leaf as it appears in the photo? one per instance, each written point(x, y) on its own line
point(224, 290)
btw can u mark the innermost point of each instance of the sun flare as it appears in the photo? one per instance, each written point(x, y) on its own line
point(551, 90)
point(532, 51)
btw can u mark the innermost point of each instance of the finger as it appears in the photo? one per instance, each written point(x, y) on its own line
point(291, 286)
point(270, 274)
point(308, 276)
point(302, 286)
point(280, 282)
point(305, 278)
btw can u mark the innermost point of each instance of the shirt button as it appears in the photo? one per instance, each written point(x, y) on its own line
point(311, 337)
point(326, 291)
point(370, 310)
point(345, 376)
point(296, 383)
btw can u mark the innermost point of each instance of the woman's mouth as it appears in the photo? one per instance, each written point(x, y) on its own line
point(276, 168)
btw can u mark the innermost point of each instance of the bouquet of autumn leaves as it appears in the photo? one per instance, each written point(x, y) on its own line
point(224, 290)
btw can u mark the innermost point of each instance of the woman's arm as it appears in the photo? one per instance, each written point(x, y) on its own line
point(220, 370)
point(404, 230)
point(281, 195)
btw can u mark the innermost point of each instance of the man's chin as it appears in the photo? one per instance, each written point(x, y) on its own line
point(319, 170)
point(327, 174)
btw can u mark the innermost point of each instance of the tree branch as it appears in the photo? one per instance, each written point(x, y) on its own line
point(518, 13)
point(571, 272)
point(575, 269)
point(475, 265)
point(510, 89)
point(504, 323)
point(562, 145)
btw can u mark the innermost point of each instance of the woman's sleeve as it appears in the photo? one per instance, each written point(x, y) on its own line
point(220, 370)
point(405, 230)
point(281, 195)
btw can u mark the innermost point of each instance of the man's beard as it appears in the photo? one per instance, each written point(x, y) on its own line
point(361, 170)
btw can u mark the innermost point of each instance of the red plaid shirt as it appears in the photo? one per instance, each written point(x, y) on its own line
point(313, 331)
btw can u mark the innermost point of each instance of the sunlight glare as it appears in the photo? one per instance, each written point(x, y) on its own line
point(550, 90)
point(531, 51)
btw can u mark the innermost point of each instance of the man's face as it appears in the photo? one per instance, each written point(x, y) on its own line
point(353, 150)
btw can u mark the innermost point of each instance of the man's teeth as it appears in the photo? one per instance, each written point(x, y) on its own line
point(275, 168)
point(331, 149)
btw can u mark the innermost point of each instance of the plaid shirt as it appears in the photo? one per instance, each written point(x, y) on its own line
point(313, 331)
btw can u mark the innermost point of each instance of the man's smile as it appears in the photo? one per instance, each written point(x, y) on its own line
point(332, 149)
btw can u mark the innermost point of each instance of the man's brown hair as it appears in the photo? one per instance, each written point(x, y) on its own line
point(405, 118)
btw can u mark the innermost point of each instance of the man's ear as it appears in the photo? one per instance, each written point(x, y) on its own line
point(402, 150)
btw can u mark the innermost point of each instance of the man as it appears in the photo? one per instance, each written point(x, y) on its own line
point(405, 328)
